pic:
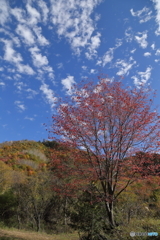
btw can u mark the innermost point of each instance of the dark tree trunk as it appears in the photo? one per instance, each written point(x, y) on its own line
point(38, 223)
point(110, 214)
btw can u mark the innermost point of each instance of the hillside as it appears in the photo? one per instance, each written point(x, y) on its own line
point(41, 189)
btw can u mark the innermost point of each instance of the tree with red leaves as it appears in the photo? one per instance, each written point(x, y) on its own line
point(108, 123)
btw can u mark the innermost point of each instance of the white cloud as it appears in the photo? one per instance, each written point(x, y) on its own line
point(26, 69)
point(2, 84)
point(4, 12)
point(72, 20)
point(26, 34)
point(132, 51)
point(124, 66)
point(15, 40)
point(19, 14)
point(68, 83)
point(19, 85)
point(147, 54)
point(49, 94)
point(107, 57)
point(142, 40)
point(157, 60)
point(44, 9)
point(95, 43)
point(29, 118)
point(17, 76)
point(59, 65)
point(144, 15)
point(40, 38)
point(153, 46)
point(138, 13)
point(51, 76)
point(93, 71)
point(38, 59)
point(48, 69)
point(1, 69)
point(84, 68)
point(129, 34)
point(157, 8)
point(143, 77)
point(19, 105)
point(13, 57)
point(34, 15)
point(10, 54)
point(157, 52)
point(32, 93)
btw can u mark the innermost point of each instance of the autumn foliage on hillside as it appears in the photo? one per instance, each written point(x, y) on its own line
point(27, 156)
point(66, 195)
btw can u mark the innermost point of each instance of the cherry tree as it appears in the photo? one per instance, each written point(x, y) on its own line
point(108, 123)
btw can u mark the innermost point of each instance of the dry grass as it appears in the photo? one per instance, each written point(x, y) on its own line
point(10, 234)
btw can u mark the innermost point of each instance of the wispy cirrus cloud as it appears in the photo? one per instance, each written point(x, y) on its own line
point(15, 58)
point(40, 38)
point(26, 34)
point(38, 59)
point(21, 107)
point(73, 21)
point(129, 35)
point(157, 18)
point(29, 118)
point(59, 65)
point(157, 52)
point(109, 55)
point(142, 77)
point(31, 93)
point(124, 66)
point(4, 12)
point(44, 9)
point(28, 19)
point(26, 69)
point(34, 15)
point(2, 84)
point(20, 85)
point(141, 39)
point(95, 43)
point(49, 94)
point(144, 15)
point(132, 51)
point(10, 36)
point(20, 15)
point(41, 63)
point(68, 83)
point(9, 53)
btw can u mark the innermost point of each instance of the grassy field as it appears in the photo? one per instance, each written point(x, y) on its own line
point(14, 234)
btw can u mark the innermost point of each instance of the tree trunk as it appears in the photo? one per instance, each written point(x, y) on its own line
point(110, 214)
point(19, 221)
point(38, 223)
point(65, 214)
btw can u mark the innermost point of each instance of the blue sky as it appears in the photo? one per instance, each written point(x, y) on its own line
point(47, 46)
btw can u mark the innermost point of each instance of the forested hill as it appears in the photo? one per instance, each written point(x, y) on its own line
point(40, 189)
point(26, 156)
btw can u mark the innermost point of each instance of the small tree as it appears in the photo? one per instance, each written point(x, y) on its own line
point(110, 124)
